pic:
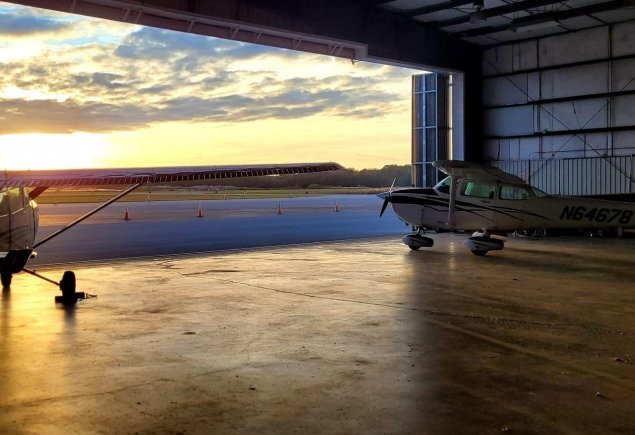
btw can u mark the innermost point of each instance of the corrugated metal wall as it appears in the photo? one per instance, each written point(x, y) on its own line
point(576, 176)
point(560, 110)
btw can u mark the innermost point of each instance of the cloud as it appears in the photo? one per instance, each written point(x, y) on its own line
point(292, 99)
point(108, 80)
point(71, 115)
point(159, 44)
point(50, 116)
point(16, 24)
point(129, 80)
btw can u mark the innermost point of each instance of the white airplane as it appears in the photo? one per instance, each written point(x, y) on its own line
point(19, 214)
point(491, 202)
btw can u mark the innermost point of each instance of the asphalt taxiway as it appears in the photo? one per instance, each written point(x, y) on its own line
point(361, 336)
point(173, 227)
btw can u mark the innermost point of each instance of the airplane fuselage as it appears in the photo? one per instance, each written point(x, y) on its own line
point(19, 218)
point(505, 207)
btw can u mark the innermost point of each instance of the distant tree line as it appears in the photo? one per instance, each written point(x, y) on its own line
point(346, 178)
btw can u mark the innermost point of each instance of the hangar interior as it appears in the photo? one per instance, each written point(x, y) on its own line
point(364, 336)
point(557, 86)
point(554, 111)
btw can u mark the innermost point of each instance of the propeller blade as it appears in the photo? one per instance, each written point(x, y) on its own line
point(387, 197)
point(383, 207)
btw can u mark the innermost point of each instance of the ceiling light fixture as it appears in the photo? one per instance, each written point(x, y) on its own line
point(478, 16)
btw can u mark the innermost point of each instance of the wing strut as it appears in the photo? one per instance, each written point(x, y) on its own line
point(453, 181)
point(34, 273)
point(87, 215)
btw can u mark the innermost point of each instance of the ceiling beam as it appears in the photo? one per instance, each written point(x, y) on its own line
point(561, 15)
point(501, 10)
point(376, 3)
point(342, 28)
point(435, 8)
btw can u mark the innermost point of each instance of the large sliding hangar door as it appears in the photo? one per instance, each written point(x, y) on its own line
point(541, 88)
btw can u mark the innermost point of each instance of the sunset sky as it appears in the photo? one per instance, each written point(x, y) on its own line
point(83, 92)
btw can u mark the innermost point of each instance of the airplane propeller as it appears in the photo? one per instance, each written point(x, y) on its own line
point(383, 207)
point(387, 198)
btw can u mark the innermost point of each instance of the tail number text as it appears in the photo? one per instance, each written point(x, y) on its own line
point(605, 215)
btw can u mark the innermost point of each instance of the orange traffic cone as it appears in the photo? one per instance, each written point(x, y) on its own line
point(199, 213)
point(126, 216)
point(279, 208)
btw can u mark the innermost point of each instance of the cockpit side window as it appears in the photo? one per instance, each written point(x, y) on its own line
point(478, 189)
point(510, 192)
point(16, 199)
point(4, 202)
point(443, 186)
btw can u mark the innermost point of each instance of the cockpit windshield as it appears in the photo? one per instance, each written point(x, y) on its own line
point(443, 186)
point(12, 200)
point(539, 193)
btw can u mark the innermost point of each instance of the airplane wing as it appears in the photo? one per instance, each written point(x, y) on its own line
point(42, 179)
point(474, 171)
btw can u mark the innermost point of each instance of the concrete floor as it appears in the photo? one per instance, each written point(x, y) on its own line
point(360, 337)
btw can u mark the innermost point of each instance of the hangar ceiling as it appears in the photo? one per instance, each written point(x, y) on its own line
point(487, 22)
point(439, 34)
point(355, 29)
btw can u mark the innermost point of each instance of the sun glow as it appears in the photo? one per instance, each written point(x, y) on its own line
point(51, 151)
point(141, 97)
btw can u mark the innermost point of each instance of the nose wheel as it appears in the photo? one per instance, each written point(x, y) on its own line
point(416, 241)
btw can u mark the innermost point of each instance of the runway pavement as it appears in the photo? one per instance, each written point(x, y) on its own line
point(172, 227)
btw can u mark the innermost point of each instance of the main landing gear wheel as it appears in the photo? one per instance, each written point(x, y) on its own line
point(481, 245)
point(5, 278)
point(68, 285)
point(478, 252)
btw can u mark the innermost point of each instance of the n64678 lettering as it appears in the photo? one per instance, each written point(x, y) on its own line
point(602, 215)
